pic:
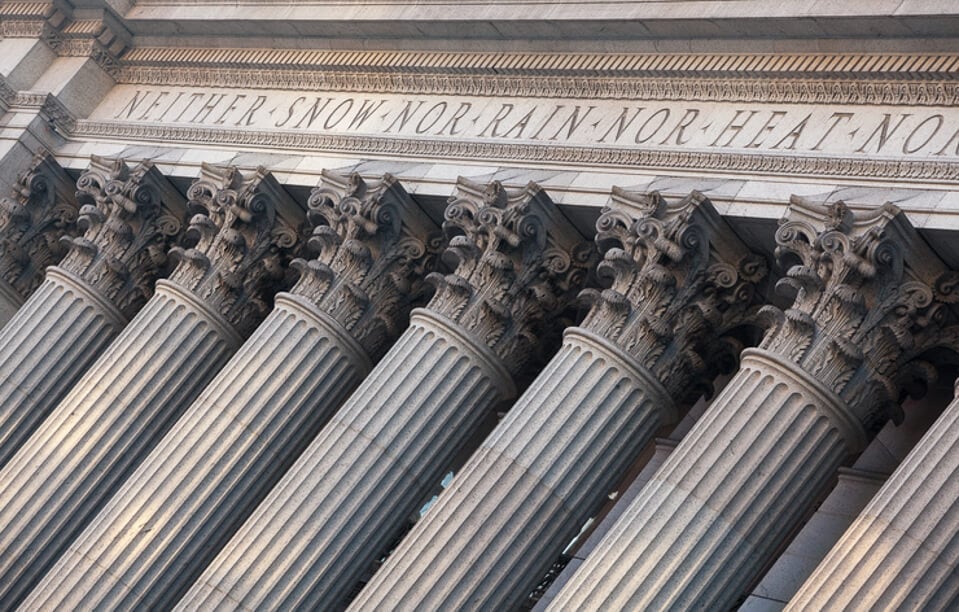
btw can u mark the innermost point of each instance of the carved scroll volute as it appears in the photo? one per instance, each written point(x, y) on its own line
point(41, 210)
point(239, 244)
point(517, 264)
point(679, 282)
point(129, 219)
point(373, 247)
point(868, 299)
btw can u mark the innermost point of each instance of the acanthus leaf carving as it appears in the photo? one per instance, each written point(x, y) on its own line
point(868, 300)
point(42, 210)
point(239, 244)
point(373, 247)
point(517, 265)
point(129, 220)
point(679, 282)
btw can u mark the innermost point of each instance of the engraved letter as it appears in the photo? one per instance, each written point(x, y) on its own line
point(439, 106)
point(905, 146)
point(621, 123)
point(500, 115)
point(685, 122)
point(664, 112)
point(459, 114)
point(884, 132)
point(836, 117)
point(330, 122)
point(405, 115)
point(248, 115)
point(365, 113)
point(794, 134)
point(771, 124)
point(232, 107)
point(573, 121)
point(733, 127)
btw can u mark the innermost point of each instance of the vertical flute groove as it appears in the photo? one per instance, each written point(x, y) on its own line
point(100, 432)
point(696, 533)
point(491, 537)
point(319, 529)
point(44, 350)
point(208, 473)
point(902, 550)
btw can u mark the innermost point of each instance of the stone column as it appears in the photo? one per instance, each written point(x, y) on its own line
point(517, 265)
point(868, 299)
point(900, 552)
point(129, 218)
point(224, 455)
point(158, 365)
point(680, 279)
point(41, 211)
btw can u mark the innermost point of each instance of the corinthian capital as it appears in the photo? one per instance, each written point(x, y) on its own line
point(374, 246)
point(868, 299)
point(679, 281)
point(129, 220)
point(42, 210)
point(518, 263)
point(242, 234)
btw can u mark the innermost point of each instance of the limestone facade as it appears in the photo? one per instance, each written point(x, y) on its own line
point(656, 297)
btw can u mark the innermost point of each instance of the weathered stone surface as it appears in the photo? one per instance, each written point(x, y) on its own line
point(680, 279)
point(900, 553)
point(869, 299)
point(517, 264)
point(121, 408)
point(223, 456)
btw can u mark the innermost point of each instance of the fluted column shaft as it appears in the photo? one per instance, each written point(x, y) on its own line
point(903, 549)
point(531, 485)
point(45, 348)
point(102, 429)
point(702, 527)
point(355, 486)
point(10, 302)
point(248, 426)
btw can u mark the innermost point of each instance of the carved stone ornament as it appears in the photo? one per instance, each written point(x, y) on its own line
point(130, 219)
point(240, 244)
point(517, 264)
point(869, 299)
point(680, 282)
point(374, 246)
point(42, 210)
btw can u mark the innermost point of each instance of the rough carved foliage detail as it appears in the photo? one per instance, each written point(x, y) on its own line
point(41, 210)
point(517, 264)
point(373, 248)
point(680, 282)
point(129, 219)
point(869, 299)
point(240, 245)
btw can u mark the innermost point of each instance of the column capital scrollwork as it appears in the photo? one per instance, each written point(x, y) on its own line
point(240, 243)
point(129, 219)
point(373, 247)
point(868, 299)
point(41, 210)
point(679, 281)
point(517, 264)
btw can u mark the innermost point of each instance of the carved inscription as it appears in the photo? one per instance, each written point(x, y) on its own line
point(869, 131)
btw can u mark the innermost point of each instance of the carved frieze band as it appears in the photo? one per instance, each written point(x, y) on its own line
point(732, 88)
point(793, 165)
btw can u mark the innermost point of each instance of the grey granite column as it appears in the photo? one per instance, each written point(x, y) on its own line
point(156, 367)
point(129, 219)
point(900, 553)
point(680, 278)
point(224, 455)
point(869, 297)
point(41, 212)
point(517, 264)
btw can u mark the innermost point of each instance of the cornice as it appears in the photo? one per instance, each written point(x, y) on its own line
point(900, 170)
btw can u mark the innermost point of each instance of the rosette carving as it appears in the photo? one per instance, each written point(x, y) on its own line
point(129, 219)
point(240, 245)
point(41, 210)
point(868, 299)
point(679, 282)
point(373, 246)
point(517, 264)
